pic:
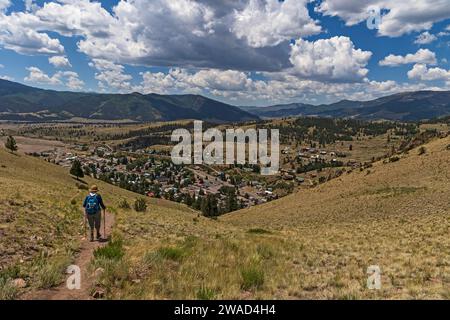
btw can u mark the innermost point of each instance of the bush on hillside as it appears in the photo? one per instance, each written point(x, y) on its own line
point(140, 205)
point(422, 150)
point(123, 204)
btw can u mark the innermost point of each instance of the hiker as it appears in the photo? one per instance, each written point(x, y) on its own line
point(93, 205)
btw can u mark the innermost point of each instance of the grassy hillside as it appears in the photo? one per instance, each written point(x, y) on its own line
point(314, 244)
point(41, 223)
point(395, 215)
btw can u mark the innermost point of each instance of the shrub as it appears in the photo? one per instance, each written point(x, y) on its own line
point(123, 204)
point(394, 159)
point(140, 205)
point(171, 253)
point(422, 150)
point(259, 231)
point(81, 186)
point(252, 278)
point(113, 251)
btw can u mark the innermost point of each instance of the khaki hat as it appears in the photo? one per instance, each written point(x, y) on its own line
point(94, 188)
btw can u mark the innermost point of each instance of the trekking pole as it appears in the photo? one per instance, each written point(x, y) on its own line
point(104, 224)
point(85, 229)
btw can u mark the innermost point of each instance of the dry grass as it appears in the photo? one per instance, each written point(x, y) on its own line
point(396, 217)
point(41, 221)
point(315, 244)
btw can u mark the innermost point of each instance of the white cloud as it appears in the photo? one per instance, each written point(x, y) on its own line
point(111, 75)
point(68, 78)
point(422, 72)
point(17, 32)
point(38, 76)
point(73, 81)
point(6, 78)
point(425, 38)
point(158, 32)
point(423, 56)
point(334, 59)
point(269, 22)
point(59, 61)
point(4, 4)
point(1, 66)
point(402, 17)
point(275, 88)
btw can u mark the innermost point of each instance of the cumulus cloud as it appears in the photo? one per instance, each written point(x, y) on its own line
point(425, 38)
point(164, 33)
point(111, 75)
point(422, 72)
point(18, 33)
point(334, 59)
point(422, 56)
point(4, 4)
point(274, 88)
point(401, 17)
point(59, 61)
point(40, 77)
point(69, 79)
point(269, 22)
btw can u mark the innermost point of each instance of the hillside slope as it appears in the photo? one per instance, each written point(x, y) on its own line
point(395, 215)
point(314, 244)
point(41, 224)
point(23, 103)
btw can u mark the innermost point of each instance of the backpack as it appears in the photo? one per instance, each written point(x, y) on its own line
point(92, 204)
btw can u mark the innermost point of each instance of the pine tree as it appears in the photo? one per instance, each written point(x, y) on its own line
point(11, 144)
point(77, 170)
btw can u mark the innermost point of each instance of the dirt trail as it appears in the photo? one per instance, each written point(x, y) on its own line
point(82, 260)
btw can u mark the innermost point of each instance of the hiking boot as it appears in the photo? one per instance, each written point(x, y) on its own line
point(92, 237)
point(99, 236)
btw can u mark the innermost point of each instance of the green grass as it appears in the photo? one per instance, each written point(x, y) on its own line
point(171, 253)
point(205, 293)
point(49, 271)
point(113, 250)
point(7, 289)
point(252, 277)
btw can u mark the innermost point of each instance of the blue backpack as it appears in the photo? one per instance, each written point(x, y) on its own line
point(92, 205)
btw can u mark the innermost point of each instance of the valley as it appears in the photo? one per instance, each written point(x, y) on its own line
point(309, 233)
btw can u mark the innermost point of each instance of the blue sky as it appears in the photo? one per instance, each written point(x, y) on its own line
point(251, 52)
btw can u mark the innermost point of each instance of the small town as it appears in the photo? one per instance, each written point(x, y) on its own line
point(151, 173)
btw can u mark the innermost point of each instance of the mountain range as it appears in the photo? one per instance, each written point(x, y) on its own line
point(19, 102)
point(408, 106)
point(23, 103)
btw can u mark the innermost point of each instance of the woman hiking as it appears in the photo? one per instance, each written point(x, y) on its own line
point(93, 205)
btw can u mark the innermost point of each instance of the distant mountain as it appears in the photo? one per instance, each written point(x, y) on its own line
point(23, 103)
point(409, 106)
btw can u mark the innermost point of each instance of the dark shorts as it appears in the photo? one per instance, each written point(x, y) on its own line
point(95, 220)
